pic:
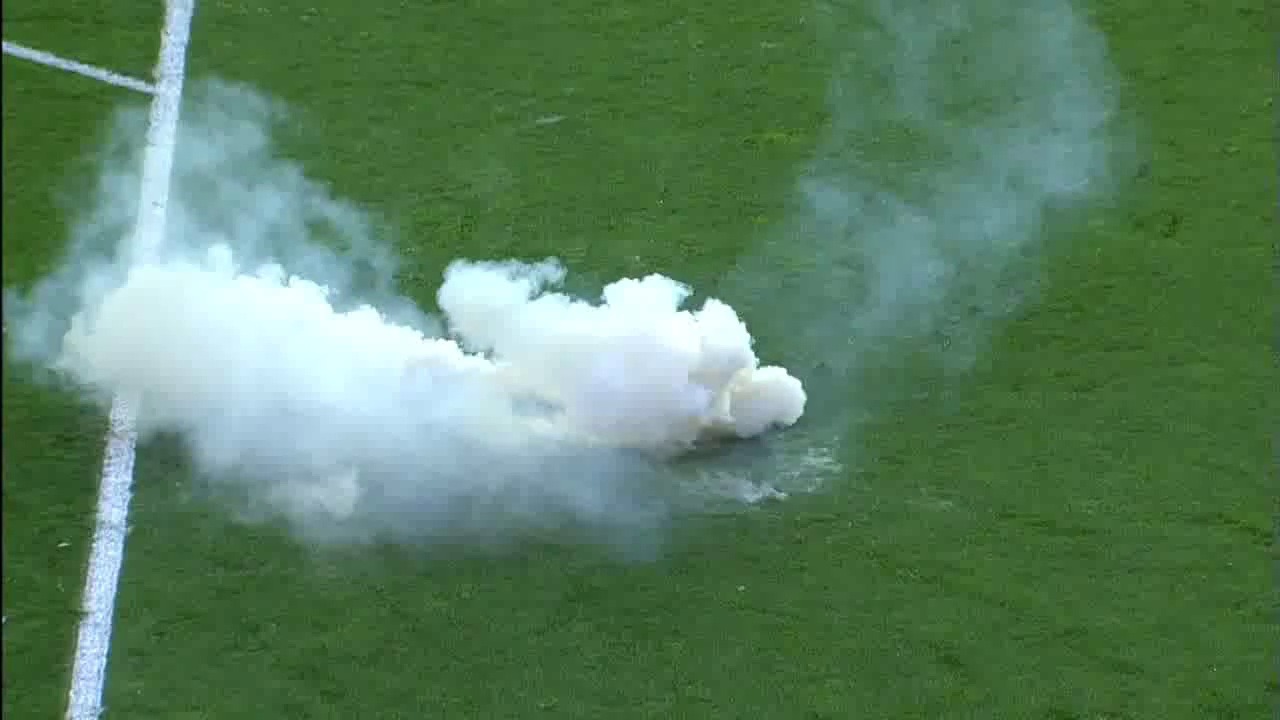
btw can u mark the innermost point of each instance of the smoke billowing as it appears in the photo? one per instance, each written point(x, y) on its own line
point(268, 336)
point(264, 333)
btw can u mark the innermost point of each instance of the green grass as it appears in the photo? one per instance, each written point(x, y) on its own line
point(1083, 530)
point(52, 443)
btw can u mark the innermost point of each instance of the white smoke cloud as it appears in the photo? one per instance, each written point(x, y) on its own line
point(248, 336)
point(268, 334)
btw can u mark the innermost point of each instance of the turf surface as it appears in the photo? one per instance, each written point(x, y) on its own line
point(1082, 530)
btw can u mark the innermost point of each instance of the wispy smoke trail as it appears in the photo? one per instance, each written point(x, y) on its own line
point(957, 132)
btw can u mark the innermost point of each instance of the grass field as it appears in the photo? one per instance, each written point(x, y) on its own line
point(1079, 526)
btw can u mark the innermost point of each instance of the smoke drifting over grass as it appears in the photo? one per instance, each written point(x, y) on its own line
point(265, 333)
point(268, 335)
point(957, 133)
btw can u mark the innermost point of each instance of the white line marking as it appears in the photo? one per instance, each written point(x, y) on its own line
point(79, 68)
point(88, 673)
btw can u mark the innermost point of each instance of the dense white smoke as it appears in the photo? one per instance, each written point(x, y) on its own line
point(518, 406)
point(200, 342)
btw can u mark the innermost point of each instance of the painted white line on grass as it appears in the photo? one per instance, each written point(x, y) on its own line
point(88, 673)
point(79, 68)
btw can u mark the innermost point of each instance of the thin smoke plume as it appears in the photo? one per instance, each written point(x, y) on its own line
point(960, 137)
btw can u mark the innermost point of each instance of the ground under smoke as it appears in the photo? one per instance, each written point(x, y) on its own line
point(519, 407)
